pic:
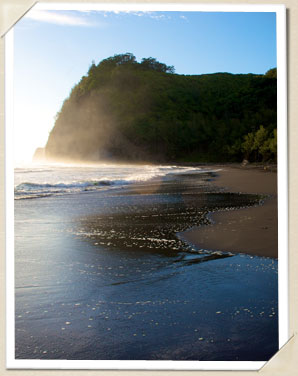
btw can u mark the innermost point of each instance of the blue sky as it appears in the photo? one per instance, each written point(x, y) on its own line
point(53, 49)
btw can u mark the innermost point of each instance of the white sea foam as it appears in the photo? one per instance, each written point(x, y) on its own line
point(33, 181)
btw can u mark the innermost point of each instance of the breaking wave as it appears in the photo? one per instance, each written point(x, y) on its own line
point(43, 181)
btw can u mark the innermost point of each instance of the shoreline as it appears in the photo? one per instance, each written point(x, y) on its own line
point(251, 230)
point(107, 264)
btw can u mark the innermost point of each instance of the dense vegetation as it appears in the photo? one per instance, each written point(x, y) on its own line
point(130, 111)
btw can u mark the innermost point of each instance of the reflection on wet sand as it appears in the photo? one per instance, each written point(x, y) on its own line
point(105, 275)
point(152, 215)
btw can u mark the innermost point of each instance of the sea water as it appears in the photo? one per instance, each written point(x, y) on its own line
point(100, 272)
point(41, 180)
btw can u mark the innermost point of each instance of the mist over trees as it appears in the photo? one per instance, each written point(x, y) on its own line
point(124, 110)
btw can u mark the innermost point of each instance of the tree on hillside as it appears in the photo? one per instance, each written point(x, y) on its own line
point(248, 145)
point(271, 73)
point(259, 146)
point(269, 148)
point(151, 63)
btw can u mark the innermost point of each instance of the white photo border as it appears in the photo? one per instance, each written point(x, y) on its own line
point(283, 301)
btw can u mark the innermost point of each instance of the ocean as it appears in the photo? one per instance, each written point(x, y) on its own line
point(101, 271)
point(37, 180)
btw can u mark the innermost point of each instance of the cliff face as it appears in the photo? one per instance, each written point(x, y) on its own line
point(129, 111)
point(39, 155)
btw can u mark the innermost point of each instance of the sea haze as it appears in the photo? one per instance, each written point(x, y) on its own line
point(101, 273)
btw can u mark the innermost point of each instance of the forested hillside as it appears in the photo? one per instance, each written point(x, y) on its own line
point(129, 111)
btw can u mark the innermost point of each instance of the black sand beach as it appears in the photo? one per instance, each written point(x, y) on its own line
point(103, 275)
point(252, 230)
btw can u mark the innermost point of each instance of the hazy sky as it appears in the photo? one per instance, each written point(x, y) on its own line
point(53, 49)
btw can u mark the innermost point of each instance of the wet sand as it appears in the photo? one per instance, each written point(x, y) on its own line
point(102, 275)
point(251, 230)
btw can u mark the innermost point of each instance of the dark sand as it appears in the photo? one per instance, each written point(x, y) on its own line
point(251, 230)
point(102, 275)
